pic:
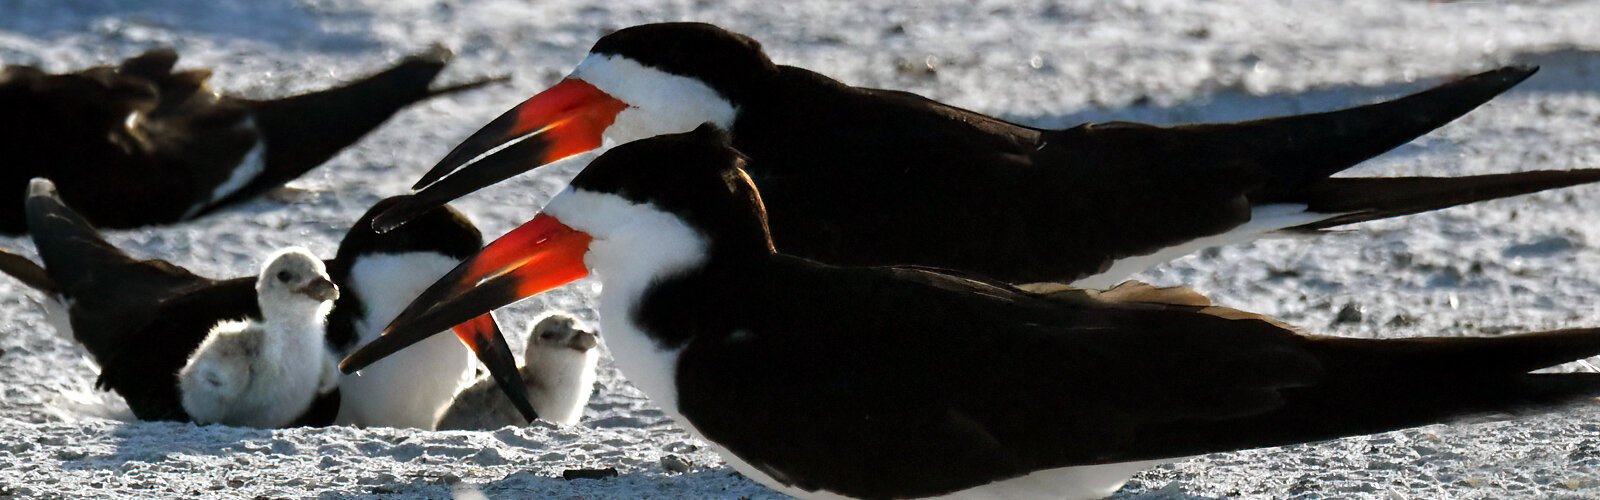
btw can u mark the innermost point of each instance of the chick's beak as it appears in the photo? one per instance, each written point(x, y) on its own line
point(320, 289)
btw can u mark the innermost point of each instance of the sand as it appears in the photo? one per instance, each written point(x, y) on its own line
point(1506, 266)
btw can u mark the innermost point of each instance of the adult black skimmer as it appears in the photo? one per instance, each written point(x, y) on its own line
point(820, 380)
point(140, 319)
point(858, 176)
point(267, 372)
point(140, 144)
point(558, 368)
point(382, 272)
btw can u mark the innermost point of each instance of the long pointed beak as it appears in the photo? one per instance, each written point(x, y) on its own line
point(482, 335)
point(565, 120)
point(541, 255)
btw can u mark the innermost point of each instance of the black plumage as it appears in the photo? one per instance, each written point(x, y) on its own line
point(861, 176)
point(891, 382)
point(140, 319)
point(141, 143)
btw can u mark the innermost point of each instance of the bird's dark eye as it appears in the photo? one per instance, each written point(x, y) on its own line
point(284, 276)
point(547, 335)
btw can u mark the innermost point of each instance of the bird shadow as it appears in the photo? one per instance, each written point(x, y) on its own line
point(141, 445)
point(721, 482)
point(156, 441)
point(283, 23)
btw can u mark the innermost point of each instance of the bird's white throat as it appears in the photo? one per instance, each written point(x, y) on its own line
point(634, 246)
point(411, 387)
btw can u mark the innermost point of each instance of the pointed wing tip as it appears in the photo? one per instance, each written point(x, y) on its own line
point(1511, 75)
point(436, 53)
point(40, 186)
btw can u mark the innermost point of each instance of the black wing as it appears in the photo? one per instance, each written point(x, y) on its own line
point(122, 142)
point(142, 362)
point(919, 385)
point(112, 293)
point(836, 165)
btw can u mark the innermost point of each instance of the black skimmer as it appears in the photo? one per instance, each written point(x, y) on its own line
point(382, 272)
point(140, 319)
point(139, 143)
point(558, 368)
point(858, 176)
point(267, 372)
point(820, 380)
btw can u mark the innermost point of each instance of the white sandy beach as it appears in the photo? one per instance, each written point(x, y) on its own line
point(1493, 268)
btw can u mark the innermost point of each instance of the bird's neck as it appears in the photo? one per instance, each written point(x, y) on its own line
point(293, 327)
point(629, 273)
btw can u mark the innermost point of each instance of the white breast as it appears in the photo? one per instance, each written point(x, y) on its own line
point(254, 374)
point(560, 381)
point(635, 245)
point(411, 387)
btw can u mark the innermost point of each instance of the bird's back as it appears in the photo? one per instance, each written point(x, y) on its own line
point(854, 376)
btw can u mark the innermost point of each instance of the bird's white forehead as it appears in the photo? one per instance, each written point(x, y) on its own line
point(627, 234)
point(604, 215)
point(658, 102)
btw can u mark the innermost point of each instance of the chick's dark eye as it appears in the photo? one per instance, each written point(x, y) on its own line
point(284, 276)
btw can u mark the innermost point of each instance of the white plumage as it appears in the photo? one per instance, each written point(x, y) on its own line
point(412, 387)
point(558, 369)
point(267, 373)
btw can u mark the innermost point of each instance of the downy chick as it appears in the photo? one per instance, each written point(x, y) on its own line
point(558, 368)
point(266, 373)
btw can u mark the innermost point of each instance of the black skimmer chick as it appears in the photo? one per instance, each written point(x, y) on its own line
point(891, 382)
point(140, 319)
point(267, 372)
point(558, 368)
point(139, 143)
point(382, 272)
point(858, 176)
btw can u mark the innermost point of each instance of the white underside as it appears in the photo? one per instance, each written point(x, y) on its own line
point(74, 403)
point(58, 313)
point(635, 245)
point(250, 167)
point(410, 388)
point(1263, 220)
point(256, 374)
point(560, 381)
point(559, 384)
